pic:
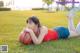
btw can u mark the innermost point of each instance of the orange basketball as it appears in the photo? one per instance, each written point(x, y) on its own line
point(25, 38)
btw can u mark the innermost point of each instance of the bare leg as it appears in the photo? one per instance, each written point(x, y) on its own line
point(78, 28)
point(71, 27)
point(71, 24)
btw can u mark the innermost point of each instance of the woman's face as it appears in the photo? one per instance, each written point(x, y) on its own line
point(31, 24)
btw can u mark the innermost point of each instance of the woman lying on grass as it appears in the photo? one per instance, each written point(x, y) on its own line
point(38, 33)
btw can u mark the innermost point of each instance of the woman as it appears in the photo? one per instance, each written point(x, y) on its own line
point(41, 33)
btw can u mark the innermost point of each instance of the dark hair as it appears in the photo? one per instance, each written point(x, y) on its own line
point(35, 20)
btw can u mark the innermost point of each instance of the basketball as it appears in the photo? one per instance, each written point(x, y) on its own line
point(25, 38)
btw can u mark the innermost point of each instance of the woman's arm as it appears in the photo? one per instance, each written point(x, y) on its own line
point(40, 38)
point(22, 31)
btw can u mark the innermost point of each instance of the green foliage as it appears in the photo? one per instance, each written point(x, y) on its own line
point(5, 9)
point(48, 2)
point(39, 9)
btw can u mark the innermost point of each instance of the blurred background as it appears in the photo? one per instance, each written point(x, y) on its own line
point(31, 4)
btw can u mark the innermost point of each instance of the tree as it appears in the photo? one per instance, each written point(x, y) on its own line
point(73, 3)
point(63, 3)
point(1, 4)
point(48, 2)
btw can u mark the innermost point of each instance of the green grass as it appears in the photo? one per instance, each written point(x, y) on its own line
point(12, 22)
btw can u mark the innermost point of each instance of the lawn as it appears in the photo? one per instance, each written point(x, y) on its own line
point(12, 22)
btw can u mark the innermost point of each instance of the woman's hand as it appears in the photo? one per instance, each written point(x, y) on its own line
point(28, 30)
